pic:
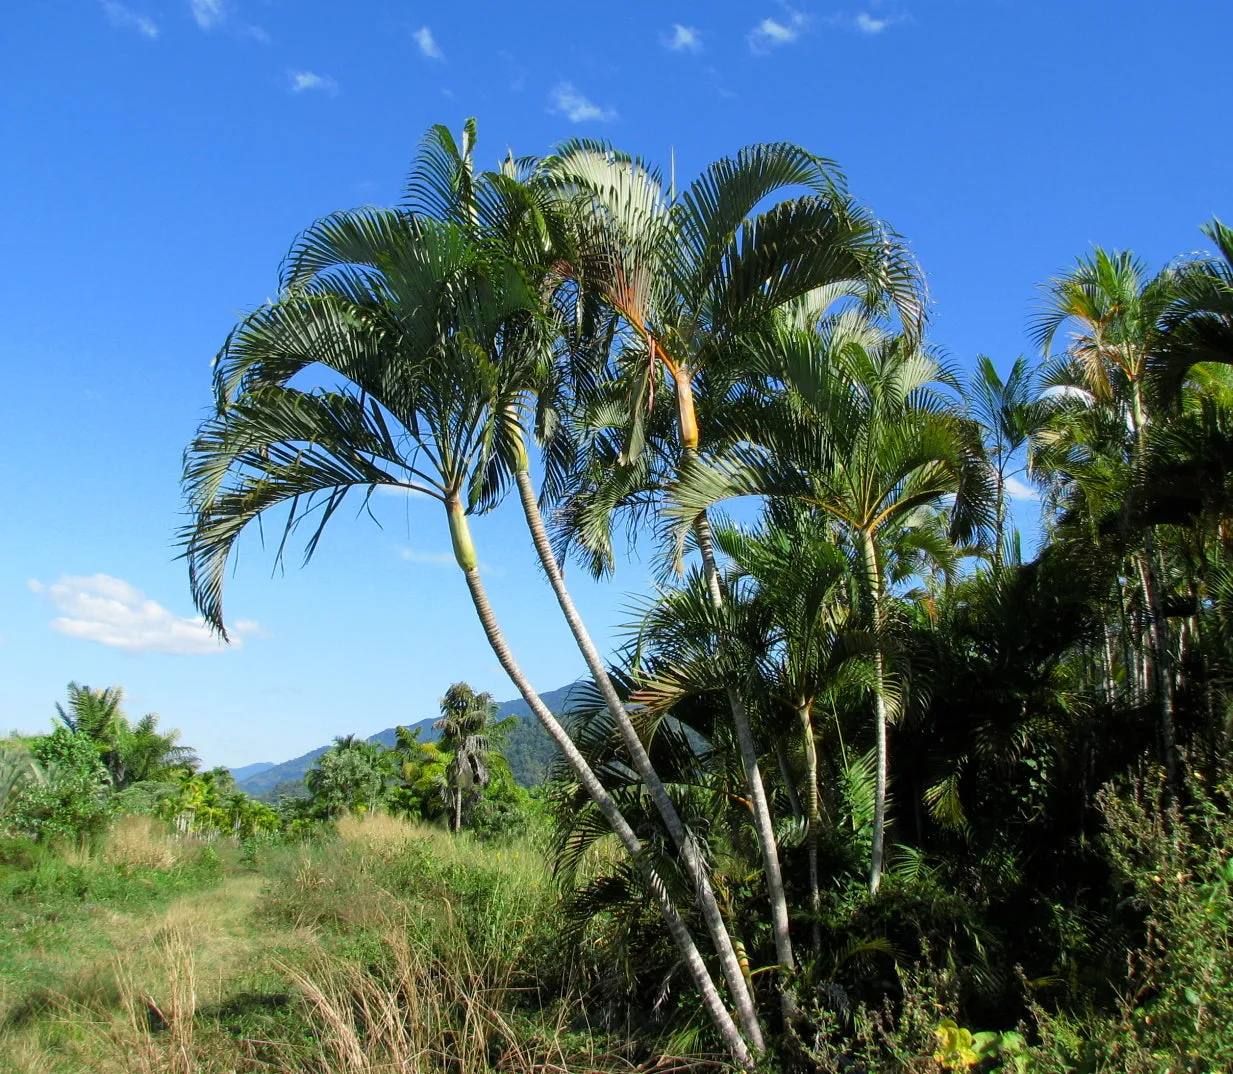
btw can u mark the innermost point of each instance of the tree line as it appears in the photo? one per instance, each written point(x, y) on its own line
point(861, 732)
point(97, 764)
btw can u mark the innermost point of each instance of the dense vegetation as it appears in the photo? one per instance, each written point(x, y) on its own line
point(866, 788)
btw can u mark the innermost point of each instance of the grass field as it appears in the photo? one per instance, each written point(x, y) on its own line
point(389, 948)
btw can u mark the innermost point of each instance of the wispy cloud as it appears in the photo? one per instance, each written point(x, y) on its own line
point(579, 109)
point(110, 611)
point(310, 80)
point(682, 39)
point(772, 33)
point(866, 22)
point(207, 13)
point(428, 44)
point(1018, 490)
point(119, 15)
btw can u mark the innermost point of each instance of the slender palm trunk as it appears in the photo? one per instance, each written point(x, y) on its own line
point(813, 820)
point(457, 810)
point(464, 552)
point(680, 834)
point(880, 717)
point(763, 823)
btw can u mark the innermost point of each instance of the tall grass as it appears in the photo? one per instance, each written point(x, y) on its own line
point(394, 947)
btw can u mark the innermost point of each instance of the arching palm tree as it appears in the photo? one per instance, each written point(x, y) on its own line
point(417, 320)
point(688, 280)
point(519, 210)
point(864, 435)
point(470, 731)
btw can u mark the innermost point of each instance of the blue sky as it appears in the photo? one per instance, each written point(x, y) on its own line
point(161, 155)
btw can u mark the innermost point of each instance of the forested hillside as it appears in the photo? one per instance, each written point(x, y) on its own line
point(529, 750)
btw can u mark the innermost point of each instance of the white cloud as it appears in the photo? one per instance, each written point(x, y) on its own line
point(310, 80)
point(207, 13)
point(569, 102)
point(867, 24)
point(428, 44)
point(435, 558)
point(110, 611)
point(682, 39)
point(119, 15)
point(1018, 490)
point(771, 33)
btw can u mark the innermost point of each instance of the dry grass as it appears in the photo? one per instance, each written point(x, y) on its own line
point(140, 842)
point(397, 949)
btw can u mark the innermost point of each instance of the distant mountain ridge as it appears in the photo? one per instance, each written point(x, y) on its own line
point(530, 750)
point(249, 770)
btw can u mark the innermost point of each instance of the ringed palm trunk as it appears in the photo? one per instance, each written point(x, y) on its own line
point(880, 717)
point(763, 823)
point(464, 553)
point(687, 428)
point(685, 842)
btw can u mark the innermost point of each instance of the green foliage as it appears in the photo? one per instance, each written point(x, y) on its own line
point(351, 776)
point(71, 802)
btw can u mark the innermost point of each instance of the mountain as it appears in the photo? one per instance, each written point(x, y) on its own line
point(530, 751)
point(249, 770)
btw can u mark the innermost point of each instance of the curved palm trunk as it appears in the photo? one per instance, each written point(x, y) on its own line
point(880, 718)
point(763, 823)
point(813, 820)
point(681, 835)
point(464, 552)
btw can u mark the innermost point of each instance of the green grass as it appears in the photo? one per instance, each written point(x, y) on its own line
point(389, 948)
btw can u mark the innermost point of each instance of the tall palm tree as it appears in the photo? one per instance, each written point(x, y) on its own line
point(689, 279)
point(470, 731)
point(1116, 311)
point(518, 209)
point(415, 318)
point(864, 434)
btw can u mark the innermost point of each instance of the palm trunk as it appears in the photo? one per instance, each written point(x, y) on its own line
point(677, 929)
point(457, 810)
point(763, 823)
point(680, 834)
point(880, 719)
point(813, 821)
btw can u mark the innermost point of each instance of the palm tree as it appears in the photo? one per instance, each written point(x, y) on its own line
point(864, 435)
point(519, 209)
point(1009, 414)
point(470, 731)
point(1117, 312)
point(132, 753)
point(1198, 326)
point(414, 318)
point(689, 279)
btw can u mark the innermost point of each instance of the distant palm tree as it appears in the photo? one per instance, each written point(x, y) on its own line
point(131, 753)
point(469, 731)
point(1117, 313)
point(1009, 413)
